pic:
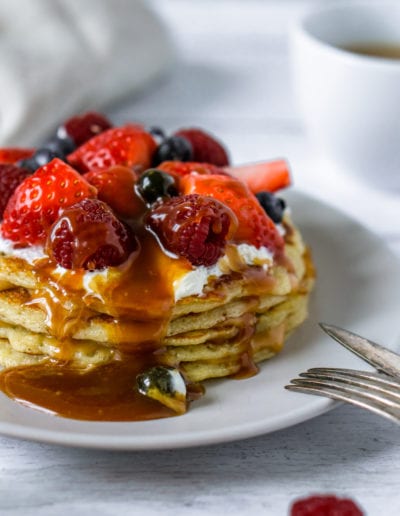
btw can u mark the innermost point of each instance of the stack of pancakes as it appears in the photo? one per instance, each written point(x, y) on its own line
point(242, 317)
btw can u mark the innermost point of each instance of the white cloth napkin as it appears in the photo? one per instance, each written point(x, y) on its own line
point(59, 57)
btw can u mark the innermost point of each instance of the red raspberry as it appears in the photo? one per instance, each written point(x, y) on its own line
point(205, 147)
point(192, 226)
point(83, 127)
point(38, 200)
point(88, 235)
point(10, 177)
point(325, 506)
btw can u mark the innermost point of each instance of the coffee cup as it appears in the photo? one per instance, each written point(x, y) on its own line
point(347, 82)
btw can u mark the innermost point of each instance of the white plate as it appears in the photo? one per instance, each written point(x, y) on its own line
point(357, 288)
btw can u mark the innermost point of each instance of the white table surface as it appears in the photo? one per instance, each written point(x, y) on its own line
point(232, 77)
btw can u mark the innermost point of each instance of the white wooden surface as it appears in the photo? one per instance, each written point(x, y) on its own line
point(232, 76)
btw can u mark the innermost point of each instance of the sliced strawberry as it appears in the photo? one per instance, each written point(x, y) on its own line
point(268, 176)
point(205, 147)
point(38, 200)
point(183, 168)
point(10, 155)
point(130, 146)
point(254, 225)
point(116, 187)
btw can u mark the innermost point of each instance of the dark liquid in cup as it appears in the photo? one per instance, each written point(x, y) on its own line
point(387, 51)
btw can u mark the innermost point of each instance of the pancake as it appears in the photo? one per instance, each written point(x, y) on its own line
point(244, 314)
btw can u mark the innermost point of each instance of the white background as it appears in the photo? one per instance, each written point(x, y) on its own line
point(233, 77)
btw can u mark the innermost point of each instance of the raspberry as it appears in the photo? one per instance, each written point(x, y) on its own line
point(10, 177)
point(328, 505)
point(192, 226)
point(88, 235)
point(83, 127)
point(205, 148)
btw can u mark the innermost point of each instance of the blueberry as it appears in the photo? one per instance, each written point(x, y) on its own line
point(173, 148)
point(158, 133)
point(272, 205)
point(60, 146)
point(40, 158)
point(155, 184)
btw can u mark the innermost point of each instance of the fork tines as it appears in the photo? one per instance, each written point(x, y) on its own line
point(374, 391)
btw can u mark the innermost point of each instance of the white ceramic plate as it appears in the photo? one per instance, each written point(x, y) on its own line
point(357, 288)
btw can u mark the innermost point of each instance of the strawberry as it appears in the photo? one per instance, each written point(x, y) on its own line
point(38, 200)
point(14, 154)
point(183, 168)
point(130, 146)
point(116, 187)
point(268, 176)
point(205, 148)
point(254, 225)
point(10, 177)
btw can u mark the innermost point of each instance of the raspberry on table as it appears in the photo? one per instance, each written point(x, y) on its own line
point(88, 235)
point(328, 505)
point(205, 148)
point(193, 226)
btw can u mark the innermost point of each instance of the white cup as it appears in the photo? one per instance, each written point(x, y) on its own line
point(350, 103)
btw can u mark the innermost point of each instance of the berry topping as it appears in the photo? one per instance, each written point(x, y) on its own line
point(88, 235)
point(178, 168)
point(192, 226)
point(173, 148)
point(272, 205)
point(83, 127)
point(129, 146)
point(267, 176)
point(205, 148)
point(155, 184)
point(325, 506)
point(10, 177)
point(116, 187)
point(254, 226)
point(11, 155)
point(38, 200)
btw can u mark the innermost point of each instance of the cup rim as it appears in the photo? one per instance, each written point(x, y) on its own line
point(365, 60)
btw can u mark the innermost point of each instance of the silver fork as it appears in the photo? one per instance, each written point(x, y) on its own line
point(374, 391)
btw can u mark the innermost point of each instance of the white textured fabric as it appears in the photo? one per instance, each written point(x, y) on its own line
point(61, 56)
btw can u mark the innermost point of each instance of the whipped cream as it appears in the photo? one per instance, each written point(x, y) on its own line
point(193, 282)
point(190, 284)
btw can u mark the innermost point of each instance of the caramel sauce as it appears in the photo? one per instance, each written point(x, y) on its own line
point(137, 300)
point(105, 393)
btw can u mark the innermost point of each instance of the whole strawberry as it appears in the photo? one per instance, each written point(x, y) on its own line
point(10, 177)
point(254, 225)
point(192, 226)
point(38, 200)
point(205, 148)
point(116, 187)
point(88, 235)
point(130, 146)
